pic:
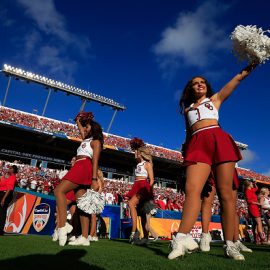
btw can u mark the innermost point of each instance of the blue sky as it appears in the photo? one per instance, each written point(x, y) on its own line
point(141, 54)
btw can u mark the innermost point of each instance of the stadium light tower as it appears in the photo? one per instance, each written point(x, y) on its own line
point(51, 84)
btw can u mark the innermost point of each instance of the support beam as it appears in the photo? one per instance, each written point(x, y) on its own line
point(5, 98)
point(46, 103)
point(83, 105)
point(110, 125)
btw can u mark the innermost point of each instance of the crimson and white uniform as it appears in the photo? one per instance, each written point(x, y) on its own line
point(211, 144)
point(81, 172)
point(142, 186)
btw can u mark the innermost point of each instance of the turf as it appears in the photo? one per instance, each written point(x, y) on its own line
point(39, 252)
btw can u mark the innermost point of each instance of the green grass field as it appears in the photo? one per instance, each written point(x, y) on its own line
point(39, 252)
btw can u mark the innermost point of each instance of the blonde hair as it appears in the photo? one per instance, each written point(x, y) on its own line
point(263, 191)
point(145, 153)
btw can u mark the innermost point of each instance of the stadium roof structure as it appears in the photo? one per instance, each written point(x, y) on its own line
point(50, 83)
point(241, 146)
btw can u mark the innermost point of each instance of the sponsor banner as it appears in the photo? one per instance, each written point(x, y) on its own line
point(30, 214)
point(166, 227)
point(34, 213)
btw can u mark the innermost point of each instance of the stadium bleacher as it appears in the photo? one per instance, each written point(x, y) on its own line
point(70, 131)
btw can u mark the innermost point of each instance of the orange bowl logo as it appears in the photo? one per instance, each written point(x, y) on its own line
point(41, 216)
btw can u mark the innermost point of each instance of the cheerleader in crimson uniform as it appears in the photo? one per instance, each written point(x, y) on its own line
point(144, 181)
point(208, 149)
point(81, 176)
point(207, 201)
point(254, 210)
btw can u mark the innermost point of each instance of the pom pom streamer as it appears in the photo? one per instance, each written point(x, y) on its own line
point(91, 202)
point(251, 43)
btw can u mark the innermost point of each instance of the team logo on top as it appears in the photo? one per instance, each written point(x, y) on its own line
point(41, 216)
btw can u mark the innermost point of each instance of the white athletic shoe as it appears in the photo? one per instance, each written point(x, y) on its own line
point(231, 251)
point(68, 227)
point(62, 236)
point(72, 238)
point(92, 238)
point(205, 242)
point(80, 241)
point(62, 233)
point(241, 247)
point(55, 235)
point(182, 245)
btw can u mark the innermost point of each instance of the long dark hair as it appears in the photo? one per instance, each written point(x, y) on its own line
point(96, 132)
point(188, 97)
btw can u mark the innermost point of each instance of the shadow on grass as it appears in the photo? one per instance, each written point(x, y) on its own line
point(151, 245)
point(65, 259)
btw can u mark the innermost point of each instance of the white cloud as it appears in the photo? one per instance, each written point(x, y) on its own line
point(195, 37)
point(248, 157)
point(49, 57)
point(49, 41)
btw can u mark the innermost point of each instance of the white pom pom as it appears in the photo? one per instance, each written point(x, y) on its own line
point(91, 202)
point(250, 43)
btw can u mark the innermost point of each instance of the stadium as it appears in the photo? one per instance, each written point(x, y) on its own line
point(42, 147)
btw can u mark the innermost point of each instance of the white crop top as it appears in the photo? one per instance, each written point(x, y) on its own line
point(205, 110)
point(266, 203)
point(85, 148)
point(140, 170)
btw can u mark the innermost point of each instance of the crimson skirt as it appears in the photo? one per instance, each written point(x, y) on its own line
point(81, 172)
point(254, 211)
point(71, 196)
point(211, 146)
point(142, 188)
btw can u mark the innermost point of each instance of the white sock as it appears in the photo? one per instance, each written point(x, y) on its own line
point(229, 243)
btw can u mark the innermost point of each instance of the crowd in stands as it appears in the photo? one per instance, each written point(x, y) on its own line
point(50, 125)
point(44, 180)
point(245, 173)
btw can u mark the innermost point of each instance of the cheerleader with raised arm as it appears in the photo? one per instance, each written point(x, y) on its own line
point(81, 176)
point(208, 149)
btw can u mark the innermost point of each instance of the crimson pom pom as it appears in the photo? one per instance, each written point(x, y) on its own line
point(136, 143)
point(84, 116)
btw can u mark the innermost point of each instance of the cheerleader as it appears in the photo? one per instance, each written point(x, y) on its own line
point(81, 176)
point(208, 148)
point(254, 211)
point(265, 203)
point(142, 188)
